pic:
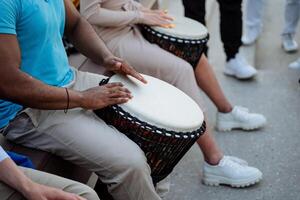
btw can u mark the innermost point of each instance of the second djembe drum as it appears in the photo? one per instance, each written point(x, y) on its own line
point(186, 40)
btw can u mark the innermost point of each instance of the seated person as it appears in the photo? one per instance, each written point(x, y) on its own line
point(18, 183)
point(115, 22)
point(37, 84)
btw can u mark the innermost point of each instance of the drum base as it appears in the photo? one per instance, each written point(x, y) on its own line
point(163, 149)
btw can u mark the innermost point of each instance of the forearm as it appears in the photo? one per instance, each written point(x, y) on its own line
point(11, 175)
point(30, 92)
point(88, 42)
point(110, 18)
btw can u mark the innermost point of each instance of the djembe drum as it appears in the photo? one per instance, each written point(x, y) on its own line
point(186, 40)
point(160, 118)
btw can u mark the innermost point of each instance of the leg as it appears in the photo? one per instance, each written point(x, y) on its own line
point(49, 180)
point(254, 12)
point(195, 10)
point(291, 16)
point(253, 21)
point(84, 139)
point(208, 82)
point(211, 152)
point(231, 26)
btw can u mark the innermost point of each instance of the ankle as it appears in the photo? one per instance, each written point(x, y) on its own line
point(226, 109)
point(214, 159)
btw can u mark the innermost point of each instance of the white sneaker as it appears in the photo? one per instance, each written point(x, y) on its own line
point(295, 64)
point(232, 173)
point(239, 118)
point(239, 68)
point(289, 44)
point(251, 34)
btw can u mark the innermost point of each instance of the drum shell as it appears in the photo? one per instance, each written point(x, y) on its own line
point(188, 49)
point(163, 148)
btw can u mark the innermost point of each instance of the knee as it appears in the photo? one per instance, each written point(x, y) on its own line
point(134, 163)
point(89, 193)
point(185, 70)
point(83, 191)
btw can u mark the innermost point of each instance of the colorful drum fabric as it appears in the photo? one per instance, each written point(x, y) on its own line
point(161, 119)
point(186, 40)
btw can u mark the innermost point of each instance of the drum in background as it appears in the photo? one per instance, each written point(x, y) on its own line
point(186, 40)
point(160, 118)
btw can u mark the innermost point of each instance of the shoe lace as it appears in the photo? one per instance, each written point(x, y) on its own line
point(234, 165)
point(242, 113)
point(238, 160)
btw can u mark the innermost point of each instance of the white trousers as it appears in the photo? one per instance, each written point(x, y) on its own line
point(291, 16)
point(254, 12)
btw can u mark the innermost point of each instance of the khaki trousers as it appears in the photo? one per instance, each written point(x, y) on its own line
point(7, 193)
point(84, 139)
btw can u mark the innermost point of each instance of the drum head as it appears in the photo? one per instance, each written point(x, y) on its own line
point(184, 28)
point(161, 104)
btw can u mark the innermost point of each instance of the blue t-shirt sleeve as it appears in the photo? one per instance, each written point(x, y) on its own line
point(3, 154)
point(8, 16)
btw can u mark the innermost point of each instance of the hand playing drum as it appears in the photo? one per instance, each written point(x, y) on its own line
point(156, 18)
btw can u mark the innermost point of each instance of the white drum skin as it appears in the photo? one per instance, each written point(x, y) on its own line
point(184, 28)
point(161, 104)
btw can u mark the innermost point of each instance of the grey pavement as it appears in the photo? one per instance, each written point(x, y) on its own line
point(275, 150)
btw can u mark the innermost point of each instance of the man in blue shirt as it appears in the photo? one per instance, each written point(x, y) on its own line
point(37, 85)
point(15, 177)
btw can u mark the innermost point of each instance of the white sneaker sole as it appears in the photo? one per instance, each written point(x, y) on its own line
point(229, 72)
point(291, 50)
point(212, 180)
point(228, 126)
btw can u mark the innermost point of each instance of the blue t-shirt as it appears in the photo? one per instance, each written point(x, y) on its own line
point(39, 27)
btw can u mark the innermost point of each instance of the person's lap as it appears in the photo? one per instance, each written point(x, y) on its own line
point(7, 193)
point(152, 60)
point(82, 138)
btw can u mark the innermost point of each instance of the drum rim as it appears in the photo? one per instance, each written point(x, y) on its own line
point(162, 131)
point(170, 37)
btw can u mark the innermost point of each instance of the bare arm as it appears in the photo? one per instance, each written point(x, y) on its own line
point(98, 16)
point(86, 40)
point(21, 88)
point(14, 177)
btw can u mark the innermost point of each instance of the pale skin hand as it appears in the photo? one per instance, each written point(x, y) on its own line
point(156, 18)
point(14, 177)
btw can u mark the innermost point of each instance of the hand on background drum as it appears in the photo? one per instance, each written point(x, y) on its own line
point(156, 18)
point(106, 95)
point(120, 66)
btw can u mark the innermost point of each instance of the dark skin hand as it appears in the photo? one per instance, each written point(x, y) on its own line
point(21, 88)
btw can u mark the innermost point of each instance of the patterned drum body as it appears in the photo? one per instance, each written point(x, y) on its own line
point(164, 143)
point(187, 40)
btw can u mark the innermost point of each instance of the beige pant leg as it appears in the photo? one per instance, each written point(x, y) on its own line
point(150, 59)
point(84, 139)
point(7, 193)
